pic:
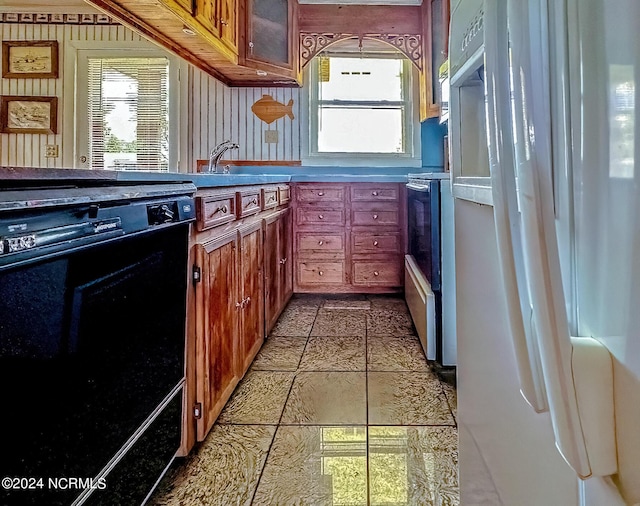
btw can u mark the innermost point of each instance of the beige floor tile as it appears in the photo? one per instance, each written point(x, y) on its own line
point(259, 399)
point(406, 398)
point(223, 471)
point(327, 398)
point(389, 353)
point(413, 466)
point(388, 302)
point(355, 305)
point(295, 322)
point(315, 466)
point(330, 322)
point(279, 353)
point(334, 353)
point(452, 397)
point(389, 323)
point(306, 300)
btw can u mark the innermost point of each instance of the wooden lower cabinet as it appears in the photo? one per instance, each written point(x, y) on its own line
point(349, 237)
point(278, 265)
point(218, 344)
point(226, 323)
point(252, 293)
point(229, 317)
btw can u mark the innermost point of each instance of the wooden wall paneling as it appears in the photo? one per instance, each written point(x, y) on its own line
point(332, 18)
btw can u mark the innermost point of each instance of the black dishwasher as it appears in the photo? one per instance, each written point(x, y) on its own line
point(92, 332)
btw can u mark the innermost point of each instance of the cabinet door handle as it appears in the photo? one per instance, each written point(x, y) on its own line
point(375, 243)
point(375, 216)
point(283, 261)
point(376, 273)
point(240, 304)
point(320, 194)
point(374, 193)
point(320, 273)
point(321, 216)
point(223, 22)
point(247, 301)
point(320, 243)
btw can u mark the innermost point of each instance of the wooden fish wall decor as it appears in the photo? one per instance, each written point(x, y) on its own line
point(269, 110)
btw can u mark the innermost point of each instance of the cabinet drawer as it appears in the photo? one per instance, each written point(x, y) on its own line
point(214, 211)
point(382, 272)
point(284, 195)
point(248, 203)
point(375, 243)
point(308, 216)
point(374, 193)
point(320, 194)
point(319, 242)
point(315, 272)
point(375, 217)
point(269, 198)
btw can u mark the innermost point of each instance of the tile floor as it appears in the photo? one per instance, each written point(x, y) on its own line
point(339, 408)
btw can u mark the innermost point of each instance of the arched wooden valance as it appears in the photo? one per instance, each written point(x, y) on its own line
point(409, 45)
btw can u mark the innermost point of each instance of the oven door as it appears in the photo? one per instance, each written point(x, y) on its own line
point(423, 215)
point(91, 346)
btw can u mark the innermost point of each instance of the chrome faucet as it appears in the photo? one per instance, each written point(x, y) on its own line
point(216, 154)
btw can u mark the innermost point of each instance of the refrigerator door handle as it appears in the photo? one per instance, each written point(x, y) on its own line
point(505, 206)
point(578, 372)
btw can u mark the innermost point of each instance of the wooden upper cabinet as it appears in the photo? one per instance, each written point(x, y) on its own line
point(435, 23)
point(212, 36)
point(229, 23)
point(187, 5)
point(219, 17)
point(207, 15)
point(270, 38)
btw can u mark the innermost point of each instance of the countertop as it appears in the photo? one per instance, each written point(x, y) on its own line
point(199, 180)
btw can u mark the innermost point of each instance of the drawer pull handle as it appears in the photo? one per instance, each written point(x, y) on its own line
point(248, 300)
point(375, 243)
point(321, 216)
point(283, 261)
point(223, 210)
point(224, 22)
point(376, 273)
point(320, 243)
point(272, 198)
point(320, 273)
point(320, 194)
point(240, 304)
point(374, 193)
point(375, 216)
point(254, 201)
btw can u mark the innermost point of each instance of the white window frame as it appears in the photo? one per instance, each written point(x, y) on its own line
point(76, 121)
point(310, 155)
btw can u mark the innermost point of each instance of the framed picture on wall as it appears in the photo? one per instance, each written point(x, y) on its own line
point(28, 115)
point(30, 59)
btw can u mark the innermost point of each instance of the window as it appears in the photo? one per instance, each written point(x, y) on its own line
point(123, 112)
point(361, 108)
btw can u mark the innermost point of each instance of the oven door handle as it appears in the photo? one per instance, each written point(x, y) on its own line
point(418, 187)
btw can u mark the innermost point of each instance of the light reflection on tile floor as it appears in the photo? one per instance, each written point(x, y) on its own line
point(349, 416)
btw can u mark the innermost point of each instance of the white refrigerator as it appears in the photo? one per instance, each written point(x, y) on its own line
point(542, 135)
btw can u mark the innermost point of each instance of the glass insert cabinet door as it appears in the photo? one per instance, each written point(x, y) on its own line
point(270, 26)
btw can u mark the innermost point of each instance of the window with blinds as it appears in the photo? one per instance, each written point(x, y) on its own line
point(128, 113)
